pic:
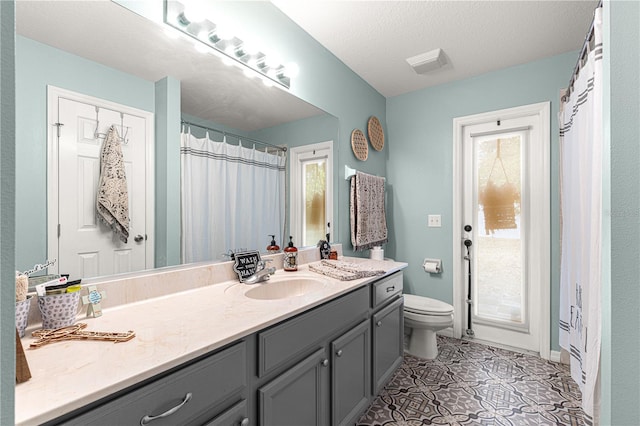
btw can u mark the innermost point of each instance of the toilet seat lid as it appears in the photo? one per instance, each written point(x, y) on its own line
point(425, 305)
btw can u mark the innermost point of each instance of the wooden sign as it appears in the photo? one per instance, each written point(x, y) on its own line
point(77, 332)
point(246, 263)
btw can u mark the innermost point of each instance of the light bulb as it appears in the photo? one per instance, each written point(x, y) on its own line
point(203, 35)
point(273, 60)
point(291, 70)
point(224, 31)
point(230, 50)
point(193, 11)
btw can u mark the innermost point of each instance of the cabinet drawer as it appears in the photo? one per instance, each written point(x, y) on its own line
point(197, 387)
point(290, 340)
point(385, 289)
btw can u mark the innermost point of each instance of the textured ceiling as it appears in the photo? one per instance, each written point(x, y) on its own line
point(374, 38)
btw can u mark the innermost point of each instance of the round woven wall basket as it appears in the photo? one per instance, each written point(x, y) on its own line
point(359, 145)
point(376, 134)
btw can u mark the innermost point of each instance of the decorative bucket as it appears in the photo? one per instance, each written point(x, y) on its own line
point(22, 315)
point(59, 310)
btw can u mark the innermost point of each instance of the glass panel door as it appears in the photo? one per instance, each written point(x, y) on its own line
point(500, 284)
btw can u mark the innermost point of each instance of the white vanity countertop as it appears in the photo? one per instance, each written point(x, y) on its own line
point(170, 330)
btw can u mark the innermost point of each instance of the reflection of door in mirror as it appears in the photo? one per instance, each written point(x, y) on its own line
point(84, 245)
point(311, 192)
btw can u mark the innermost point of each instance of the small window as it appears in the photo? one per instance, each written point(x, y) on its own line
point(311, 192)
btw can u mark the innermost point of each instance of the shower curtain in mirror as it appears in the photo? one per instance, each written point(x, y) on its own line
point(232, 197)
point(581, 142)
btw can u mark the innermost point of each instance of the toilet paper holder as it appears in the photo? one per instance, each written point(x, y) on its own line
point(432, 266)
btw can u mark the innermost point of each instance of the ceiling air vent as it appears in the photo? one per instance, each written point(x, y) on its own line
point(429, 61)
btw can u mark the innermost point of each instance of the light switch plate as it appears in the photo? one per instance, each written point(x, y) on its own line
point(434, 221)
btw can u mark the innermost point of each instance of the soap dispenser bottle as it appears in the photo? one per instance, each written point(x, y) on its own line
point(273, 248)
point(290, 256)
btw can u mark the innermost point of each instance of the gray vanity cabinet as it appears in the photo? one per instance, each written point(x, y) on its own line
point(298, 397)
point(303, 395)
point(350, 374)
point(388, 344)
point(319, 368)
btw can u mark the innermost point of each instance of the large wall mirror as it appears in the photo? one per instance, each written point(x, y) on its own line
point(106, 51)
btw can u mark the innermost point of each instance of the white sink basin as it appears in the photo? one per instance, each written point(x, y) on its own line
point(283, 288)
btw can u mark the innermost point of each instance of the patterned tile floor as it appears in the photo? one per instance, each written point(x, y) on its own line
point(474, 384)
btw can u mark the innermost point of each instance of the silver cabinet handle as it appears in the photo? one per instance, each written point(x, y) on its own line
point(148, 419)
point(245, 422)
point(325, 362)
point(339, 353)
point(379, 323)
point(390, 289)
point(138, 238)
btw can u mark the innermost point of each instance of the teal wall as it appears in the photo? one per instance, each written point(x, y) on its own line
point(621, 293)
point(39, 65)
point(420, 165)
point(7, 211)
point(327, 83)
point(167, 173)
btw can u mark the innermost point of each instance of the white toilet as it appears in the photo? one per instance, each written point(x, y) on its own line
point(425, 316)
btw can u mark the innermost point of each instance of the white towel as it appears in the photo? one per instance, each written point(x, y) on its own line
point(345, 271)
point(113, 197)
point(367, 213)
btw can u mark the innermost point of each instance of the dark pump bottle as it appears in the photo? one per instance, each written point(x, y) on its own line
point(290, 256)
point(273, 247)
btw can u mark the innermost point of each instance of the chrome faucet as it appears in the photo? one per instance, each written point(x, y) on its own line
point(262, 273)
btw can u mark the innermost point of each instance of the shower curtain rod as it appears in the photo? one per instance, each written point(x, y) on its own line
point(583, 52)
point(280, 148)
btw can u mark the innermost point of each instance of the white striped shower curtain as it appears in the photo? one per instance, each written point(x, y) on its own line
point(232, 197)
point(581, 143)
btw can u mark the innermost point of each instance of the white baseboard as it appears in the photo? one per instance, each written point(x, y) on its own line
point(554, 356)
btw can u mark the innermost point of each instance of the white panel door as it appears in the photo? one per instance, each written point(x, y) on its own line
point(502, 210)
point(86, 246)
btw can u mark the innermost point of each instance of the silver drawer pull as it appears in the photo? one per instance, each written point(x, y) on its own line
point(390, 289)
point(245, 422)
point(379, 323)
point(148, 419)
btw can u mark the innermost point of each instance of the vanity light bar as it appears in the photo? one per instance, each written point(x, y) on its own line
point(232, 47)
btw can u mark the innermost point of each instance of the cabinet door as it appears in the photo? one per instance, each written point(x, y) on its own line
point(350, 374)
point(297, 397)
point(388, 347)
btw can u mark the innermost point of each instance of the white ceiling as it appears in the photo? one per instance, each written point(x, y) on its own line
point(374, 38)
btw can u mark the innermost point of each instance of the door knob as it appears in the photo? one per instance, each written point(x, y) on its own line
point(138, 238)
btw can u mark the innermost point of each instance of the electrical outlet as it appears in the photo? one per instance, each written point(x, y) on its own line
point(434, 221)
